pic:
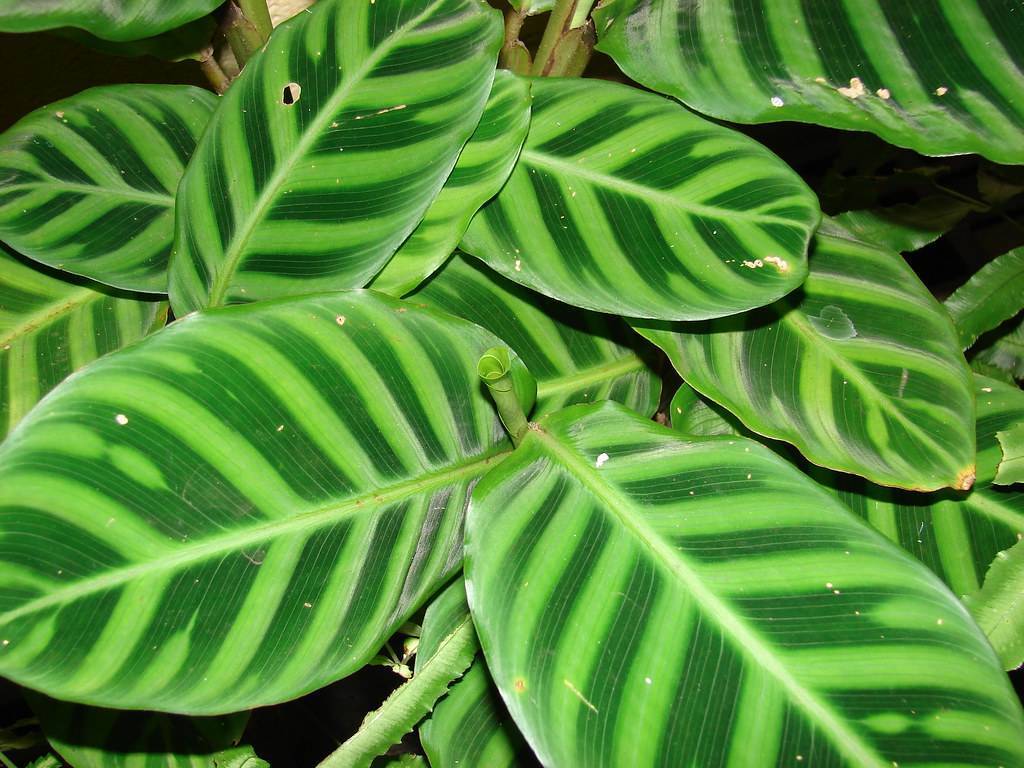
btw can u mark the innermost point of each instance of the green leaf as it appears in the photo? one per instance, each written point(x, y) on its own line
point(89, 737)
point(860, 369)
point(1004, 352)
point(942, 78)
point(327, 151)
point(624, 202)
point(904, 227)
point(994, 294)
point(643, 599)
point(87, 183)
point(1011, 466)
point(470, 726)
point(191, 41)
point(240, 757)
point(481, 170)
point(122, 20)
point(576, 356)
point(692, 415)
point(242, 507)
point(50, 328)
point(955, 534)
point(998, 606)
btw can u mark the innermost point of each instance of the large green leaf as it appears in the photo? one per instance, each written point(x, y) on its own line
point(87, 184)
point(244, 506)
point(326, 152)
point(643, 599)
point(992, 295)
point(624, 202)
point(942, 77)
point(861, 369)
point(482, 168)
point(999, 605)
point(121, 20)
point(470, 726)
point(576, 356)
point(1011, 466)
point(1003, 350)
point(50, 328)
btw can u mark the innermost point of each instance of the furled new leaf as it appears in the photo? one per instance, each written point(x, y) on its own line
point(644, 599)
point(87, 183)
point(122, 20)
point(1011, 465)
point(326, 152)
point(992, 295)
point(482, 168)
point(999, 605)
point(244, 506)
point(576, 356)
point(627, 203)
point(50, 328)
point(861, 369)
point(939, 77)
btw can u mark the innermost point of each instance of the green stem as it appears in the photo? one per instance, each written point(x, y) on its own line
point(514, 55)
point(568, 41)
point(217, 77)
point(243, 34)
point(410, 703)
point(6, 761)
point(495, 368)
point(256, 11)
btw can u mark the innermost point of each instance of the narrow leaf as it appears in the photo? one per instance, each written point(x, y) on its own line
point(326, 152)
point(942, 78)
point(994, 294)
point(627, 203)
point(998, 606)
point(481, 170)
point(242, 507)
point(860, 369)
point(645, 600)
point(87, 184)
point(123, 20)
point(1011, 466)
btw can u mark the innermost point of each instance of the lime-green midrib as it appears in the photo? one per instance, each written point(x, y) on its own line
point(46, 315)
point(592, 375)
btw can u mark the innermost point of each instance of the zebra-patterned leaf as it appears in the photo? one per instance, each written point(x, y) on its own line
point(484, 165)
point(643, 599)
point(692, 415)
point(943, 77)
point(625, 202)
point(992, 295)
point(326, 152)
point(470, 726)
point(87, 184)
point(242, 507)
point(576, 356)
point(90, 737)
point(50, 328)
point(998, 606)
point(122, 20)
point(861, 369)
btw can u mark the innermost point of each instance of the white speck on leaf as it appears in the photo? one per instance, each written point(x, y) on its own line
point(854, 90)
point(121, 419)
point(883, 93)
point(340, 319)
point(519, 265)
point(601, 459)
point(941, 90)
point(780, 263)
point(777, 101)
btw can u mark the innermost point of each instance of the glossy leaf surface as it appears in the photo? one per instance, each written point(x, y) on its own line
point(992, 295)
point(942, 77)
point(861, 369)
point(243, 507)
point(122, 20)
point(576, 356)
point(1011, 466)
point(326, 152)
point(643, 599)
point(627, 203)
point(50, 328)
point(999, 605)
point(482, 168)
point(87, 184)
point(1005, 351)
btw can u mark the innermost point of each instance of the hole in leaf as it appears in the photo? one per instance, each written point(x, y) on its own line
point(291, 94)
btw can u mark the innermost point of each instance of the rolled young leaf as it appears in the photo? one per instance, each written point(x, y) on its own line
point(861, 369)
point(992, 295)
point(326, 152)
point(50, 328)
point(122, 20)
point(482, 168)
point(626, 203)
point(87, 183)
point(999, 605)
point(942, 77)
point(242, 507)
point(643, 599)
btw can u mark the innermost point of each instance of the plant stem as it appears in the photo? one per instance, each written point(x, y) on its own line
point(514, 55)
point(244, 36)
point(410, 703)
point(495, 368)
point(6, 761)
point(217, 77)
point(564, 49)
point(256, 11)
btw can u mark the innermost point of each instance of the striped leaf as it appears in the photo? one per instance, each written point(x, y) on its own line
point(89, 737)
point(50, 328)
point(999, 605)
point(1011, 465)
point(1004, 353)
point(470, 726)
point(643, 599)
point(904, 227)
point(482, 168)
point(693, 415)
point(326, 152)
point(994, 294)
point(122, 20)
point(576, 356)
point(87, 184)
point(243, 507)
point(861, 369)
point(624, 202)
point(942, 77)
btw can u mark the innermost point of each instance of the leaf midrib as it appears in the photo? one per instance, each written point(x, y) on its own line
point(324, 117)
point(590, 375)
point(237, 542)
point(746, 640)
point(48, 314)
point(128, 193)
